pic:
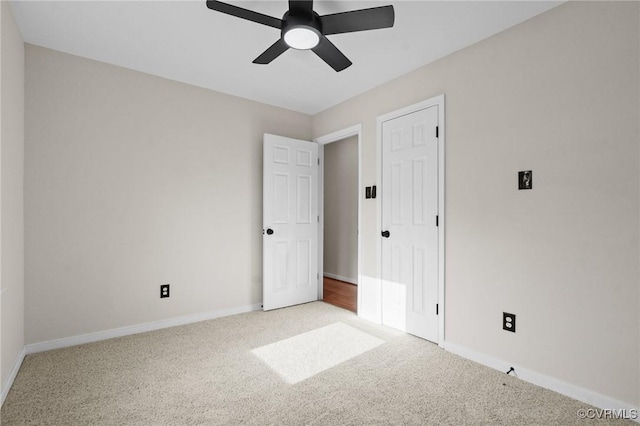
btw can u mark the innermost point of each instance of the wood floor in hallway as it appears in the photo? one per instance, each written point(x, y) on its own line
point(340, 293)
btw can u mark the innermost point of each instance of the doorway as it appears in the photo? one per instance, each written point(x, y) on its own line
point(340, 266)
point(339, 207)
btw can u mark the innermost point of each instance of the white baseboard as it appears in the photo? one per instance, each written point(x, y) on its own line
point(14, 372)
point(547, 382)
point(341, 278)
point(135, 329)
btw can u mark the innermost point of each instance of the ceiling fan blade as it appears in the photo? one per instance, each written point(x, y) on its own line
point(249, 15)
point(329, 53)
point(358, 20)
point(301, 7)
point(276, 49)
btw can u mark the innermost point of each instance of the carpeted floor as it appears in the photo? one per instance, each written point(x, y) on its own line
point(218, 372)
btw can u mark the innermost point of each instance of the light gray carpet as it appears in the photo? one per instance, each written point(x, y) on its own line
point(207, 374)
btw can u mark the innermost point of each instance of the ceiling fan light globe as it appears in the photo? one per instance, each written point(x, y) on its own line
point(302, 38)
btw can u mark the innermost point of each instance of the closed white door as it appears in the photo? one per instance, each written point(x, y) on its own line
point(409, 228)
point(290, 222)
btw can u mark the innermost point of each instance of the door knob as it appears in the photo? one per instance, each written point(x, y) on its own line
point(386, 234)
point(269, 231)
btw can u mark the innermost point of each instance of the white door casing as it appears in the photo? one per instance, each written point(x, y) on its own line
point(290, 222)
point(410, 261)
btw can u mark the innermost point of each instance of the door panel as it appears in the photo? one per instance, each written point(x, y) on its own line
point(409, 209)
point(290, 211)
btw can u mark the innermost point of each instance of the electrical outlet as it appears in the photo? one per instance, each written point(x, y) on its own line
point(164, 291)
point(509, 322)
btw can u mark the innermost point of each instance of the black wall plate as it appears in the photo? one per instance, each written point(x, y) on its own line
point(509, 322)
point(164, 291)
point(525, 179)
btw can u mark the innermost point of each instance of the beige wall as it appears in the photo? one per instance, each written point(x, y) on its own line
point(341, 209)
point(558, 94)
point(11, 193)
point(133, 181)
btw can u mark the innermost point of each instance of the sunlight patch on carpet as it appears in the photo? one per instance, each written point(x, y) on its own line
point(300, 357)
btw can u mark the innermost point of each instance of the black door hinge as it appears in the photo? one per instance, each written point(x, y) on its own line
point(437, 221)
point(437, 309)
point(437, 131)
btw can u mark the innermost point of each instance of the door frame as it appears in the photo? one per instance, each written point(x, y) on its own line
point(355, 130)
point(439, 102)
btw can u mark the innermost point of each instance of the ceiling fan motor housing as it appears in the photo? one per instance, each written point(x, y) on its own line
point(301, 23)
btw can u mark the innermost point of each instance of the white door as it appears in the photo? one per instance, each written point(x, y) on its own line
point(409, 229)
point(290, 222)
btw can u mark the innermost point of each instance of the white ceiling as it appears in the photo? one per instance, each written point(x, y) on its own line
point(185, 41)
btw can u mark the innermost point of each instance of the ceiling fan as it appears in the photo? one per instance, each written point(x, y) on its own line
point(302, 28)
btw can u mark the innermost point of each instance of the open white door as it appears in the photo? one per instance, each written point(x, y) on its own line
point(290, 222)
